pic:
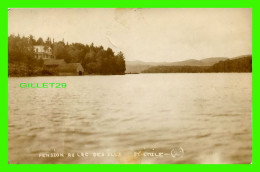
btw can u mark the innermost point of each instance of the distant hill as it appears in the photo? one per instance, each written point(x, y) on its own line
point(236, 64)
point(136, 68)
point(239, 64)
point(139, 66)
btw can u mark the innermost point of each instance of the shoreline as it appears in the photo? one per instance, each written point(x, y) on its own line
point(130, 74)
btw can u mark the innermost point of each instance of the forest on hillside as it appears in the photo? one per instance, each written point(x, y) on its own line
point(94, 59)
point(243, 64)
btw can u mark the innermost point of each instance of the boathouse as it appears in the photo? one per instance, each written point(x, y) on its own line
point(69, 69)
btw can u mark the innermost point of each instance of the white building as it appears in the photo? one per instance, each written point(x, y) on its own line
point(43, 52)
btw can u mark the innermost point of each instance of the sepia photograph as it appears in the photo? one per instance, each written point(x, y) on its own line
point(129, 86)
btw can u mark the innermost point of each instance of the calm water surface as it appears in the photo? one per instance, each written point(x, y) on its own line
point(208, 116)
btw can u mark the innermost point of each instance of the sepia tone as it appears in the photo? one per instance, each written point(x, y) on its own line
point(130, 86)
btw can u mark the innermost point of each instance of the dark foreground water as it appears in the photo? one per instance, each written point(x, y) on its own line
point(145, 118)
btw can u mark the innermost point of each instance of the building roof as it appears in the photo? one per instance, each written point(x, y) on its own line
point(51, 62)
point(70, 67)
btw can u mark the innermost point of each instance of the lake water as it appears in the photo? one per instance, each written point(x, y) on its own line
point(166, 118)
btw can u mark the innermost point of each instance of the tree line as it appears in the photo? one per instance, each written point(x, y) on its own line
point(94, 59)
point(243, 64)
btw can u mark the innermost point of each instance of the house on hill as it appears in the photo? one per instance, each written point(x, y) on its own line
point(42, 52)
point(70, 69)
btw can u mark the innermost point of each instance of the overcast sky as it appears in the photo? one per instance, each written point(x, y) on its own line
point(144, 34)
